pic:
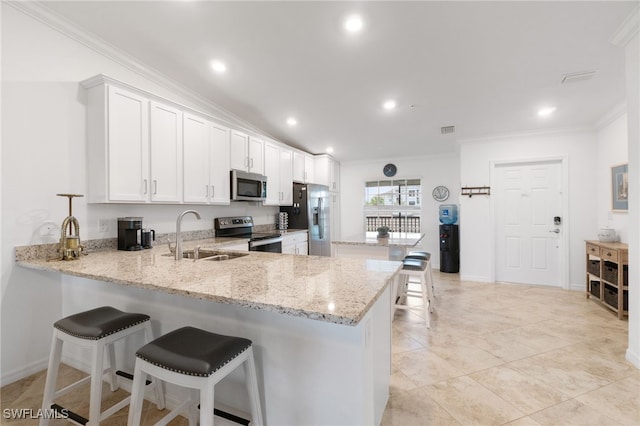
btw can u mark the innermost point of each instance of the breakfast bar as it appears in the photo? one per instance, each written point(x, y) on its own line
point(368, 245)
point(321, 327)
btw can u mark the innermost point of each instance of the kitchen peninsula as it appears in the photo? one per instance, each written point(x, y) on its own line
point(321, 326)
point(368, 246)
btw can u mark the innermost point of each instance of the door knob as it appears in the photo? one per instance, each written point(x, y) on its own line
point(555, 231)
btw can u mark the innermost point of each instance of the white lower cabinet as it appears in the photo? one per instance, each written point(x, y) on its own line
point(206, 161)
point(295, 243)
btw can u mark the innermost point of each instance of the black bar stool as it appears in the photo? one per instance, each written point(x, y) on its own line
point(420, 269)
point(97, 329)
point(195, 359)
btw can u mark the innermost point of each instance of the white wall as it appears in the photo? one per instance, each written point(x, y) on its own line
point(43, 144)
point(612, 149)
point(476, 156)
point(433, 171)
point(633, 109)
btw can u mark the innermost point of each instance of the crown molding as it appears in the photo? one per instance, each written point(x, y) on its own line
point(527, 134)
point(40, 12)
point(628, 29)
point(611, 116)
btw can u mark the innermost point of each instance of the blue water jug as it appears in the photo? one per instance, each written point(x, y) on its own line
point(448, 214)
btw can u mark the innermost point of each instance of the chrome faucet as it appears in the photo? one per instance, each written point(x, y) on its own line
point(179, 235)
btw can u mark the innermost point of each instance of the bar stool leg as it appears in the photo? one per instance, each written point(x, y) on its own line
point(52, 376)
point(207, 393)
point(194, 397)
point(114, 381)
point(137, 395)
point(252, 388)
point(95, 406)
point(426, 302)
point(158, 385)
point(429, 285)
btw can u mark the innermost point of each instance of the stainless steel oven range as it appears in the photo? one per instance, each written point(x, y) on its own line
point(242, 227)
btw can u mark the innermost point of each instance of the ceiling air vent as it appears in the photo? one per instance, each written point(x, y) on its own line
point(445, 130)
point(574, 77)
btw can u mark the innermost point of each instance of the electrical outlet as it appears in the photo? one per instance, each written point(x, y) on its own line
point(103, 225)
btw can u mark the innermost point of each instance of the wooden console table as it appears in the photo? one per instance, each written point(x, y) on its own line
point(607, 275)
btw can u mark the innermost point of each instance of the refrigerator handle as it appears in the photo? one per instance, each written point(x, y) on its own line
point(319, 220)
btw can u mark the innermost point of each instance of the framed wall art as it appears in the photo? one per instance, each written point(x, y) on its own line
point(619, 188)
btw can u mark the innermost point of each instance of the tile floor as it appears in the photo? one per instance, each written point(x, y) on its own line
point(501, 354)
point(496, 354)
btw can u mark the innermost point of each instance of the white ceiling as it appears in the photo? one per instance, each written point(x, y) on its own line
point(485, 67)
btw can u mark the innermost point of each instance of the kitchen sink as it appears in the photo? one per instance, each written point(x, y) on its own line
point(214, 255)
point(225, 256)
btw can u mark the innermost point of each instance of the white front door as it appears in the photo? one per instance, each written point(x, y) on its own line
point(528, 207)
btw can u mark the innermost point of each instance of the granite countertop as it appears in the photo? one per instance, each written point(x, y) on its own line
point(400, 239)
point(337, 290)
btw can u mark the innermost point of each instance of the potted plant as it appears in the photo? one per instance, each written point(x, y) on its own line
point(383, 232)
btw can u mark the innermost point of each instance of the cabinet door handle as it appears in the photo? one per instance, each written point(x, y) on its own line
point(252, 163)
point(145, 186)
point(155, 187)
point(213, 191)
point(207, 189)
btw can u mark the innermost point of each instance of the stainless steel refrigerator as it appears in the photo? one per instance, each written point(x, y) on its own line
point(311, 211)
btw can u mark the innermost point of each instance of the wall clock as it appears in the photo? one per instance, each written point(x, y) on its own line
point(440, 193)
point(390, 170)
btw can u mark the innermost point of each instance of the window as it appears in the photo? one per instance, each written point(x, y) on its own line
point(394, 203)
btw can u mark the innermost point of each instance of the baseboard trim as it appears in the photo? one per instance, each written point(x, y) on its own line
point(25, 371)
point(476, 278)
point(577, 287)
point(633, 358)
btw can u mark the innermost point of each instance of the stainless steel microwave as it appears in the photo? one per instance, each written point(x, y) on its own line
point(248, 186)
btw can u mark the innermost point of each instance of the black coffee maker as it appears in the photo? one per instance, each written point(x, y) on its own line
point(130, 233)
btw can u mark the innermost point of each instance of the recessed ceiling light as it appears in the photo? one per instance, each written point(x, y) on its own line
point(545, 112)
point(390, 104)
point(329, 150)
point(292, 121)
point(353, 24)
point(218, 66)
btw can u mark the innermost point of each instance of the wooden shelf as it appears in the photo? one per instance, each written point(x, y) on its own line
point(615, 254)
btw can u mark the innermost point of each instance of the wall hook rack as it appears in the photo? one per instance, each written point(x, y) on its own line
point(475, 190)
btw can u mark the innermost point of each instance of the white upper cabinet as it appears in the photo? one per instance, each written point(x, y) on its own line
point(196, 159)
point(206, 161)
point(166, 153)
point(118, 145)
point(272, 171)
point(303, 168)
point(143, 148)
point(286, 177)
point(335, 176)
point(327, 172)
point(247, 153)
point(219, 155)
point(278, 169)
point(256, 155)
point(239, 151)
